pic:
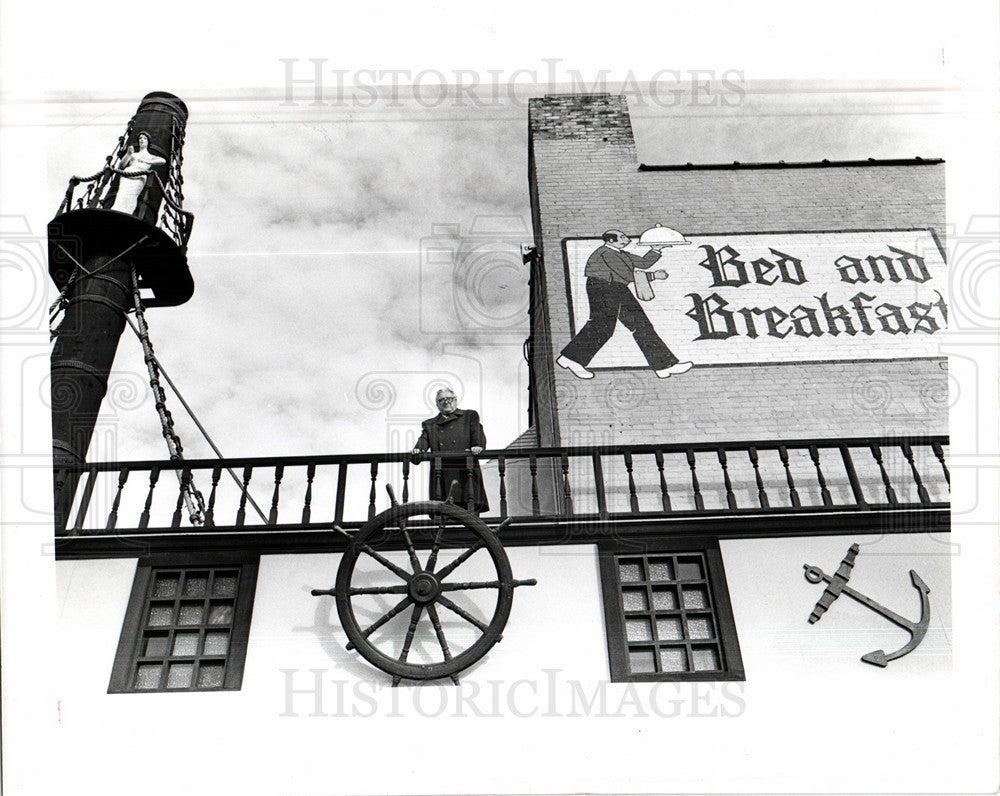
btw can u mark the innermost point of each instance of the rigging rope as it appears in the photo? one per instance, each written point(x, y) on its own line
point(60, 303)
point(193, 499)
point(154, 366)
point(201, 428)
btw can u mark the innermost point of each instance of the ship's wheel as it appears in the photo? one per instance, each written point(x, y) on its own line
point(424, 590)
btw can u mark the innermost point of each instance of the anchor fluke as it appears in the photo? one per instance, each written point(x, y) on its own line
point(877, 657)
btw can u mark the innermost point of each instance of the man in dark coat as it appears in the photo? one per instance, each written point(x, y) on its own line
point(454, 430)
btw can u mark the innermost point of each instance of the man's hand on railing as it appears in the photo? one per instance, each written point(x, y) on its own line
point(476, 449)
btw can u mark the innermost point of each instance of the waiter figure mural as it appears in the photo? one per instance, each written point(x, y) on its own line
point(610, 271)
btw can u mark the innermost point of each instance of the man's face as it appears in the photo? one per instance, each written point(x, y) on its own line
point(621, 243)
point(447, 402)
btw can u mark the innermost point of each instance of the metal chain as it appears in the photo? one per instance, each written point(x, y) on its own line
point(193, 499)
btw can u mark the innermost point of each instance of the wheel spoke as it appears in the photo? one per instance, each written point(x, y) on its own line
point(462, 613)
point(393, 612)
point(414, 619)
point(414, 561)
point(444, 573)
point(378, 590)
point(385, 562)
point(433, 557)
point(478, 584)
point(433, 614)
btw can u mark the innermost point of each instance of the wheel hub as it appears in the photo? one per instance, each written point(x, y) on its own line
point(424, 588)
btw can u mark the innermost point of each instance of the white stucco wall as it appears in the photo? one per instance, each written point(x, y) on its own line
point(314, 718)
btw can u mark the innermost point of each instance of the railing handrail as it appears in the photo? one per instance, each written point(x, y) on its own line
point(507, 454)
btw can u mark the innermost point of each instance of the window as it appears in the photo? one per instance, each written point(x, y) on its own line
point(186, 626)
point(667, 612)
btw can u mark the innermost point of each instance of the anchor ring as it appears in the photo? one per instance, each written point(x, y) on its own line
point(813, 574)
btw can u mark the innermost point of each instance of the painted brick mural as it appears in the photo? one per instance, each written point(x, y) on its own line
point(766, 363)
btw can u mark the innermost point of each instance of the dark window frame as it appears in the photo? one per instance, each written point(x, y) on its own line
point(131, 638)
point(614, 608)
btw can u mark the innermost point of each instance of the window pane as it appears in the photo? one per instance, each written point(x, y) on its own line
point(166, 584)
point(211, 674)
point(700, 627)
point(641, 661)
point(221, 613)
point(665, 599)
point(705, 659)
point(160, 615)
point(673, 659)
point(695, 597)
point(661, 569)
point(689, 568)
point(185, 644)
point(635, 599)
point(196, 584)
point(180, 675)
point(191, 613)
point(669, 628)
point(147, 676)
point(156, 645)
point(216, 643)
point(629, 571)
point(224, 584)
point(638, 630)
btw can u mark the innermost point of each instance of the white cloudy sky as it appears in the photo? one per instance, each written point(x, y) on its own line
point(313, 290)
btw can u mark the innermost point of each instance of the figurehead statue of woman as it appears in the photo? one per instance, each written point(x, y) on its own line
point(136, 165)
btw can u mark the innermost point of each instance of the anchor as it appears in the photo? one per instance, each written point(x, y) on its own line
point(837, 585)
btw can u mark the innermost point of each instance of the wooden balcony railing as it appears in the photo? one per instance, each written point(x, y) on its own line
point(769, 477)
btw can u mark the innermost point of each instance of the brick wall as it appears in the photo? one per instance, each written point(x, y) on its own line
point(585, 179)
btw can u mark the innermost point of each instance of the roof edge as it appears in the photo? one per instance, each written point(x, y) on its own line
point(814, 164)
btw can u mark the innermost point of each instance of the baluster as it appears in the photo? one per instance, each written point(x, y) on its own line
point(567, 492)
point(852, 476)
point(210, 511)
point(823, 491)
point(793, 495)
point(890, 493)
point(502, 469)
point(279, 473)
point(113, 516)
point(185, 479)
point(761, 494)
point(921, 489)
point(699, 501)
point(372, 494)
point(664, 494)
point(936, 447)
point(154, 476)
point(88, 492)
point(338, 506)
point(406, 480)
point(633, 498)
point(470, 483)
point(533, 469)
point(241, 512)
point(307, 503)
point(730, 496)
point(438, 482)
point(602, 498)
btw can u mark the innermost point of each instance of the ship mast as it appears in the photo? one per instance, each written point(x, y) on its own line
point(122, 227)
